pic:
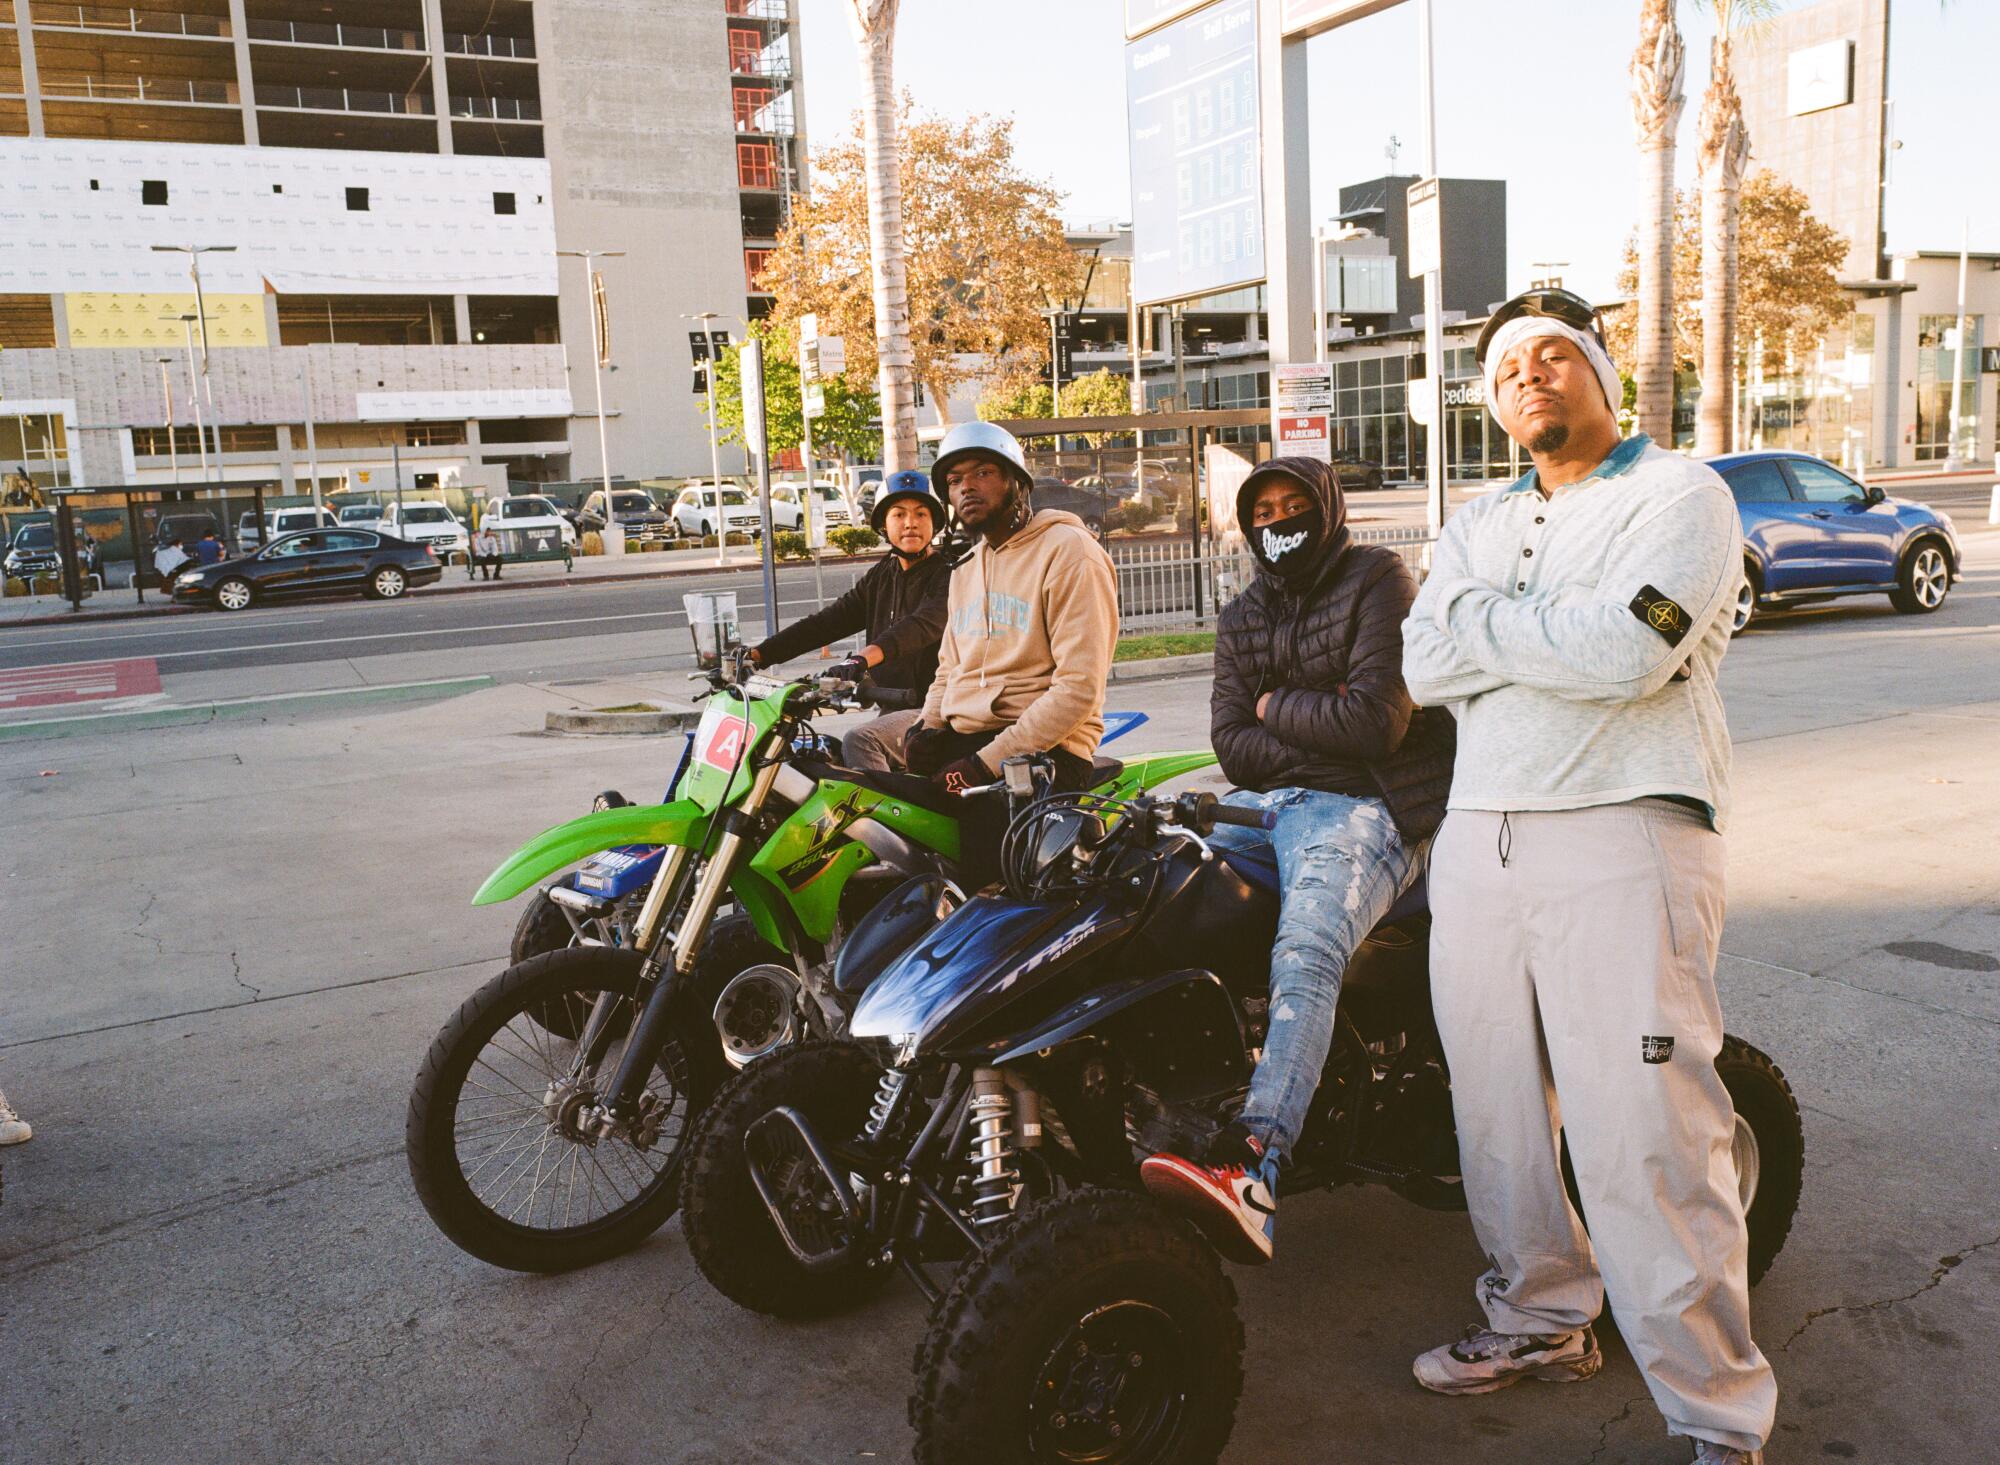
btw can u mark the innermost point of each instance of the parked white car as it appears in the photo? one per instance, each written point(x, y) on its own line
point(425, 521)
point(361, 516)
point(829, 508)
point(697, 511)
point(249, 535)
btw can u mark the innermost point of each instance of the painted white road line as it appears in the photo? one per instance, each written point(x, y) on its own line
point(640, 615)
point(165, 631)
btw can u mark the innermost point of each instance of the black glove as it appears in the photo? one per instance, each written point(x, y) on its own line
point(923, 750)
point(847, 669)
point(964, 773)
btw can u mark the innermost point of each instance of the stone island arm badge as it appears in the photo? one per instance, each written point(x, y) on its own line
point(1662, 614)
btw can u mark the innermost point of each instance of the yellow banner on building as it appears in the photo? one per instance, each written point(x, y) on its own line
point(98, 319)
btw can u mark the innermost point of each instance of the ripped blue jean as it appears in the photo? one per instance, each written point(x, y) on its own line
point(1341, 866)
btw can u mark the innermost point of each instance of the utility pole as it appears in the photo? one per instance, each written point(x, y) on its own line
point(194, 395)
point(167, 391)
point(757, 439)
point(1434, 497)
point(312, 446)
point(600, 347)
point(1952, 460)
point(1319, 295)
point(714, 448)
point(1180, 360)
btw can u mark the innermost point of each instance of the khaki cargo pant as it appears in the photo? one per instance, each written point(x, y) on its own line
point(879, 744)
point(1573, 974)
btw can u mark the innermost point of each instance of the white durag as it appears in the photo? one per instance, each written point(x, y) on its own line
point(1527, 327)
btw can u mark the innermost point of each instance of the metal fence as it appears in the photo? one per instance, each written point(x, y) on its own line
point(1174, 586)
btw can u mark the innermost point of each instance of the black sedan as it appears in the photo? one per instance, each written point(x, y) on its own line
point(319, 562)
point(643, 521)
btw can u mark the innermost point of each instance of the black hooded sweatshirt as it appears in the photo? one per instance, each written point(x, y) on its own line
point(900, 609)
point(1331, 654)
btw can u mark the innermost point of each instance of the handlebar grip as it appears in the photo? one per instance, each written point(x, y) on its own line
point(1244, 818)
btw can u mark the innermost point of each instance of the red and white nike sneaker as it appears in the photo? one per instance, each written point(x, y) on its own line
point(1233, 1200)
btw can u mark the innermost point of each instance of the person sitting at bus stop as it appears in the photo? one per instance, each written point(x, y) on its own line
point(168, 559)
point(900, 606)
point(486, 553)
point(208, 550)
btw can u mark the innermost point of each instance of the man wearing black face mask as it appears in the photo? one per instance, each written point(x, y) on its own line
point(1311, 721)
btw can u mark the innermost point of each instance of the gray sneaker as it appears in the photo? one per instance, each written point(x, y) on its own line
point(1708, 1452)
point(13, 1128)
point(1484, 1360)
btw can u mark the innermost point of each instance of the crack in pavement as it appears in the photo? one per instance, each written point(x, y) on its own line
point(1946, 1265)
point(236, 971)
point(645, 1343)
point(68, 1248)
point(145, 912)
point(139, 1022)
point(1604, 1429)
point(576, 1393)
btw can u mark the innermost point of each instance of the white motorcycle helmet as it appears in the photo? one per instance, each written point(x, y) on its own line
point(980, 437)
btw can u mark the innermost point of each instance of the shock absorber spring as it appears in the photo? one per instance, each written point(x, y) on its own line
point(886, 1093)
point(993, 1177)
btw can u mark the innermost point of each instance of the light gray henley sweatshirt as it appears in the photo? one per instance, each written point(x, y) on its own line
point(1577, 637)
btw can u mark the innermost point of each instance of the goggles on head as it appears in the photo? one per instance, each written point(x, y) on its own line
point(1563, 305)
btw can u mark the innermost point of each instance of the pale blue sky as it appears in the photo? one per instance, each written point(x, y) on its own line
point(1532, 91)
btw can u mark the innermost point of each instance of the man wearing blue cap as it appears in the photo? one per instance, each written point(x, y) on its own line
point(900, 606)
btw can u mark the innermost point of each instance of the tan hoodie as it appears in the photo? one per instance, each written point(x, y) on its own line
point(1028, 642)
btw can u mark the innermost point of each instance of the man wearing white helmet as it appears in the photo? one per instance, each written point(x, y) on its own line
point(1575, 625)
point(1027, 644)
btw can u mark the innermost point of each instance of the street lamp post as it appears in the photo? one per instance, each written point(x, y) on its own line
point(714, 449)
point(167, 391)
point(597, 350)
point(194, 395)
point(194, 252)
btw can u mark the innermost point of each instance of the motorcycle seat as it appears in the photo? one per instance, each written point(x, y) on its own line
point(1103, 770)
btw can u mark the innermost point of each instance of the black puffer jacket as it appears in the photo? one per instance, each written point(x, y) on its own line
point(1340, 718)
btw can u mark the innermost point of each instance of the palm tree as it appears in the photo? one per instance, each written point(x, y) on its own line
point(874, 23)
point(1658, 68)
point(1722, 150)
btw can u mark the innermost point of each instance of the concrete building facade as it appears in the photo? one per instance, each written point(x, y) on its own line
point(389, 182)
point(1815, 88)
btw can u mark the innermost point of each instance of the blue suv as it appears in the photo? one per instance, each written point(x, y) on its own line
point(1811, 533)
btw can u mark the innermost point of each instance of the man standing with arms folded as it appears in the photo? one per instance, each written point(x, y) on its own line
point(1027, 646)
point(1575, 625)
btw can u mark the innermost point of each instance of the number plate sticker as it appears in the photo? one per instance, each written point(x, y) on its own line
point(721, 738)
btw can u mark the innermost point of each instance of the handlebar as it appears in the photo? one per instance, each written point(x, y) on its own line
point(1241, 817)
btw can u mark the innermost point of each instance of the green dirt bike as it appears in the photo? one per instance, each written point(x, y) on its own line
point(547, 1123)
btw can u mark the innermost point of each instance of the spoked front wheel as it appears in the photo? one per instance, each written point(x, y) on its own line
point(500, 1139)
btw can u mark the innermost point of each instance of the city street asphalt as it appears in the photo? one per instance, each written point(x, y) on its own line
point(226, 949)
